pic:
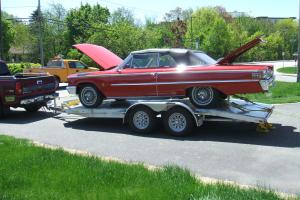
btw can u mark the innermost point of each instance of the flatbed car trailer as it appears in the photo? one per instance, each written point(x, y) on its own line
point(178, 116)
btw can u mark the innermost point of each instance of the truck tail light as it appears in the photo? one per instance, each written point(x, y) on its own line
point(18, 88)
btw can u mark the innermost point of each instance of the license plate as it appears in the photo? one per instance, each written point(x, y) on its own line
point(10, 98)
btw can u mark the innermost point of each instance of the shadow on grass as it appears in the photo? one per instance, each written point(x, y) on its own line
point(231, 132)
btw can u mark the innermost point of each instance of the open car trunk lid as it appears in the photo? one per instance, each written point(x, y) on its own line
point(232, 56)
point(102, 56)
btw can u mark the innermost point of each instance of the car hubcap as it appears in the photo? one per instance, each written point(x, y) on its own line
point(177, 122)
point(141, 120)
point(89, 96)
point(202, 96)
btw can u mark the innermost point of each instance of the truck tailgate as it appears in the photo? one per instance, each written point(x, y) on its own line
point(37, 85)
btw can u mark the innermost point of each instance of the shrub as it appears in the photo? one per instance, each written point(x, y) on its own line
point(19, 67)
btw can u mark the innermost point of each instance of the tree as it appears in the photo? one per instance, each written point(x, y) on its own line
point(54, 31)
point(288, 28)
point(7, 36)
point(178, 12)
point(84, 21)
point(211, 30)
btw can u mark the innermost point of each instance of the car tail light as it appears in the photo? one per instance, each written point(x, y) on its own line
point(18, 88)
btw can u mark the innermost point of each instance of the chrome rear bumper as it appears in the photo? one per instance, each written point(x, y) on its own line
point(40, 99)
point(267, 83)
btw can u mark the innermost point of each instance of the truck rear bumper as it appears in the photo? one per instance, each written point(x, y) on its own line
point(39, 99)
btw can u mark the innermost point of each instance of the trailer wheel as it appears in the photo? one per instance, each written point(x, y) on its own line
point(178, 121)
point(90, 97)
point(142, 119)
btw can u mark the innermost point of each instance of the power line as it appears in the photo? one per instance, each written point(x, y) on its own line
point(132, 7)
point(10, 7)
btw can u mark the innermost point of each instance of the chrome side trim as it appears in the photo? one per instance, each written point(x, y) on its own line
point(185, 82)
point(170, 73)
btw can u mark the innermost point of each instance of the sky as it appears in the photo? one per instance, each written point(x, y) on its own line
point(156, 9)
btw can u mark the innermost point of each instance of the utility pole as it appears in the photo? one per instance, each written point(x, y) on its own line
point(40, 33)
point(1, 34)
point(192, 35)
point(298, 75)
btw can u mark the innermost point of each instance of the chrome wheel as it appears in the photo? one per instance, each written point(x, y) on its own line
point(177, 122)
point(202, 96)
point(141, 120)
point(88, 96)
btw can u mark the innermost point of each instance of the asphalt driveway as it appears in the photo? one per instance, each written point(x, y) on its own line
point(228, 151)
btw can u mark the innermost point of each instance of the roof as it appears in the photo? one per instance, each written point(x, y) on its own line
point(170, 50)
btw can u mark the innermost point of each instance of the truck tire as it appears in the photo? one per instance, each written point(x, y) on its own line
point(1, 110)
point(142, 120)
point(204, 97)
point(178, 121)
point(33, 108)
point(90, 97)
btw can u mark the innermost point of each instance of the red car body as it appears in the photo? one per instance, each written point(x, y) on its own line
point(119, 80)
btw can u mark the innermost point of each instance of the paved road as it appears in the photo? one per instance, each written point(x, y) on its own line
point(229, 151)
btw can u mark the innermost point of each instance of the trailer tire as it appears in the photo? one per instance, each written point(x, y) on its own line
point(89, 96)
point(142, 119)
point(178, 121)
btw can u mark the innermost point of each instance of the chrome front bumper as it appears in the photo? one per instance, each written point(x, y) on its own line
point(43, 98)
point(71, 89)
point(267, 83)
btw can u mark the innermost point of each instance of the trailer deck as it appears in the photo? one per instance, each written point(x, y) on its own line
point(236, 109)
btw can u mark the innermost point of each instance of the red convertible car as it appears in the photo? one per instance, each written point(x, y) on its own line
point(168, 73)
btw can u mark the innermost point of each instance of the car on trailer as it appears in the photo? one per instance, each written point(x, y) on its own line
point(165, 73)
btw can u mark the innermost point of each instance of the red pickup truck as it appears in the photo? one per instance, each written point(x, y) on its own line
point(29, 91)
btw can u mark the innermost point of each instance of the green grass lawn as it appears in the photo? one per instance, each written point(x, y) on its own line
point(30, 172)
point(288, 70)
point(282, 92)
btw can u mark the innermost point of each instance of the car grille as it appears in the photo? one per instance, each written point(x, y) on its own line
point(49, 86)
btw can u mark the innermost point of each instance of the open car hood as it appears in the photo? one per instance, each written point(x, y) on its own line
point(239, 51)
point(103, 57)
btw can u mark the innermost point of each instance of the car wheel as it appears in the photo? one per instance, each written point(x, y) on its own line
point(90, 97)
point(202, 97)
point(178, 121)
point(142, 120)
point(33, 108)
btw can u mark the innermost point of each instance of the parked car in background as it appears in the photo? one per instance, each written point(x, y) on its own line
point(29, 91)
point(168, 73)
point(62, 68)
